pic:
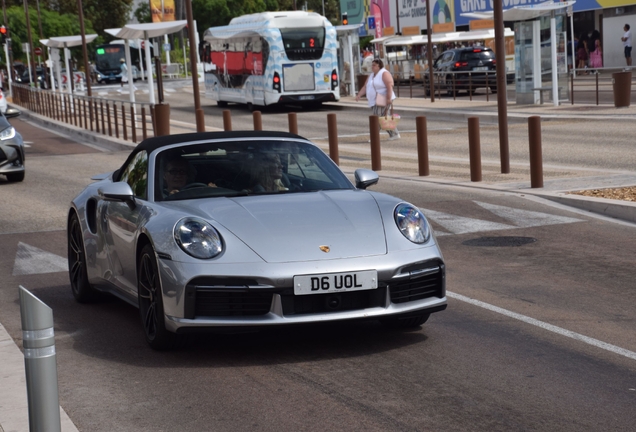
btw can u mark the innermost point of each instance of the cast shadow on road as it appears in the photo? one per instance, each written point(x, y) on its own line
point(111, 330)
point(243, 110)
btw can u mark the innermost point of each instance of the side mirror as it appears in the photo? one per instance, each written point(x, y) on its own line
point(11, 112)
point(118, 192)
point(366, 178)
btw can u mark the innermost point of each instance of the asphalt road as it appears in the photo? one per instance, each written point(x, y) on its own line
point(538, 336)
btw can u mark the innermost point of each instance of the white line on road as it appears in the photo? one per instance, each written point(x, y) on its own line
point(549, 327)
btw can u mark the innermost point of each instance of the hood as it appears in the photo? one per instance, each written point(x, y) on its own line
point(292, 227)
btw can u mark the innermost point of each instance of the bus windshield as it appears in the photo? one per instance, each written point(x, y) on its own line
point(303, 43)
point(108, 57)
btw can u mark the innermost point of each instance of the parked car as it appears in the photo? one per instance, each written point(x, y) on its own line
point(465, 69)
point(12, 153)
point(250, 228)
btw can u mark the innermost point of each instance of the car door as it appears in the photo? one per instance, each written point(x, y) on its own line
point(124, 222)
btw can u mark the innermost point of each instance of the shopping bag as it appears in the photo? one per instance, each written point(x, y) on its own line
point(389, 122)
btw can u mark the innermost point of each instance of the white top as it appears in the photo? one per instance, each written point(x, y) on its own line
point(628, 38)
point(375, 84)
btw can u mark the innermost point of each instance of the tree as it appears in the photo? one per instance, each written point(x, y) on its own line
point(142, 13)
point(53, 24)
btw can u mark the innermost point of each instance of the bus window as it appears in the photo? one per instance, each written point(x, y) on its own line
point(303, 43)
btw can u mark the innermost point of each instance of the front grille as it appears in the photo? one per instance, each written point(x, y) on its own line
point(336, 302)
point(224, 304)
point(418, 288)
point(225, 297)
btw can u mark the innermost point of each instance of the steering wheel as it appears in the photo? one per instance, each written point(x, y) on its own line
point(193, 185)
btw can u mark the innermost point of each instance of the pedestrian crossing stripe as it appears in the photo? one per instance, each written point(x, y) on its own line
point(454, 224)
point(31, 260)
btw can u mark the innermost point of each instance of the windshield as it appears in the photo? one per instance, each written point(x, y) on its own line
point(239, 168)
point(108, 56)
point(303, 43)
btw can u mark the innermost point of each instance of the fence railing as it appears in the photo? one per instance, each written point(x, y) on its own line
point(129, 121)
point(589, 85)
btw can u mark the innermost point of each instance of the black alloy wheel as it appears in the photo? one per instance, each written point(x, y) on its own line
point(151, 303)
point(81, 288)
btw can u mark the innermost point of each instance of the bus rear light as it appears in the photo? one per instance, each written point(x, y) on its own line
point(334, 79)
point(276, 82)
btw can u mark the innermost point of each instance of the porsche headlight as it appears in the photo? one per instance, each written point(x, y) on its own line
point(412, 223)
point(198, 238)
point(8, 133)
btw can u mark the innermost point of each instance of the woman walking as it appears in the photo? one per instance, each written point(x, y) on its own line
point(379, 91)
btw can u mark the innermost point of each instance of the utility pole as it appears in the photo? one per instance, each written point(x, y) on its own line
point(87, 71)
point(34, 76)
point(502, 103)
point(198, 111)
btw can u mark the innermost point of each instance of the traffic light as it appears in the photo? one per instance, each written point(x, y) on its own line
point(3, 34)
point(345, 19)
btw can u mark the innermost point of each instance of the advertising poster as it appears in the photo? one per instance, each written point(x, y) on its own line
point(162, 10)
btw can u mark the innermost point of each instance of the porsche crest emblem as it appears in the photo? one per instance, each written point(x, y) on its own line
point(325, 249)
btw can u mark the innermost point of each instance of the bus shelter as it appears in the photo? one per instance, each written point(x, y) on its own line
point(540, 50)
point(348, 55)
point(145, 32)
point(53, 45)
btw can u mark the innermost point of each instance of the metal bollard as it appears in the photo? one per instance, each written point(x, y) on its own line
point(474, 149)
point(422, 145)
point(227, 120)
point(162, 119)
point(292, 119)
point(374, 133)
point(40, 364)
point(332, 127)
point(536, 158)
point(258, 121)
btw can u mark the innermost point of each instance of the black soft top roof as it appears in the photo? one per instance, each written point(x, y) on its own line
point(152, 144)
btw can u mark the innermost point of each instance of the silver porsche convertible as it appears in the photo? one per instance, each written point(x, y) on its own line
point(249, 228)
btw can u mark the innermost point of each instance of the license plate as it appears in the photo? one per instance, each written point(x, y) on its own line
point(335, 282)
point(480, 68)
point(306, 97)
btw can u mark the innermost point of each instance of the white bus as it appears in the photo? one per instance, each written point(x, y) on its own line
point(272, 58)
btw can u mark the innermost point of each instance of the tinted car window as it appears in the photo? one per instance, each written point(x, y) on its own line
point(136, 174)
point(481, 55)
point(234, 168)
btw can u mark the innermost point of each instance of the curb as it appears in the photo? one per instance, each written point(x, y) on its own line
point(616, 209)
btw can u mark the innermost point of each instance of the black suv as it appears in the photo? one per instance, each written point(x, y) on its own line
point(464, 69)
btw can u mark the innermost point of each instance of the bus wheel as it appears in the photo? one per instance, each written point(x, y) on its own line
point(251, 107)
point(221, 104)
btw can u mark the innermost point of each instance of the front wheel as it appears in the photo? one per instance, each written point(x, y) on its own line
point(151, 303)
point(81, 288)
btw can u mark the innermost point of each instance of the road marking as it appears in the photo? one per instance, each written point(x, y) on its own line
point(31, 260)
point(545, 326)
point(463, 225)
point(519, 219)
point(526, 218)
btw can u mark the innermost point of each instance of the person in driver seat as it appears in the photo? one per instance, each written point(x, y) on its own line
point(175, 175)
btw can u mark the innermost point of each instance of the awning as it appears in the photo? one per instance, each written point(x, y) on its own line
point(382, 39)
point(148, 30)
point(523, 13)
point(67, 41)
